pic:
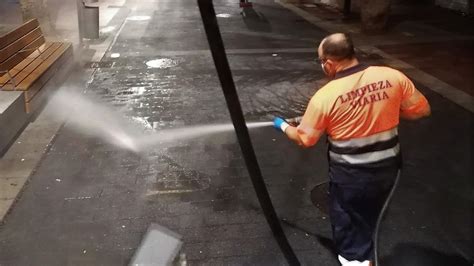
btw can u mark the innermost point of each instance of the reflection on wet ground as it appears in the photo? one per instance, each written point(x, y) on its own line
point(138, 18)
point(162, 63)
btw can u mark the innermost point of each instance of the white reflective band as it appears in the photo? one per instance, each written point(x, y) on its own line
point(284, 126)
point(345, 262)
point(370, 157)
point(360, 142)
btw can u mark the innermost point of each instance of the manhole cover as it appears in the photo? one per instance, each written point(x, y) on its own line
point(320, 197)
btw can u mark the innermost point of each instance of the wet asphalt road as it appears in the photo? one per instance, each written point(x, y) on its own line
point(98, 211)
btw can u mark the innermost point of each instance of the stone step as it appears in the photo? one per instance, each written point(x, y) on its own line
point(13, 117)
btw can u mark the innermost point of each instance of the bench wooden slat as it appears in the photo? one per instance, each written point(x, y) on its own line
point(17, 33)
point(36, 44)
point(23, 64)
point(18, 67)
point(25, 72)
point(51, 78)
point(38, 72)
point(17, 63)
point(41, 64)
point(32, 62)
point(19, 44)
point(39, 52)
point(13, 62)
point(43, 73)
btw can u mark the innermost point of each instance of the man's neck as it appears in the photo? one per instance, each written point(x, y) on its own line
point(343, 65)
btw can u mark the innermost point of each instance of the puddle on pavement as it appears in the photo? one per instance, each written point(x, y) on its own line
point(143, 121)
point(138, 18)
point(115, 55)
point(137, 90)
point(224, 15)
point(162, 63)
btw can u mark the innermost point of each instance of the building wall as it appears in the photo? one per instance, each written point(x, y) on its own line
point(10, 13)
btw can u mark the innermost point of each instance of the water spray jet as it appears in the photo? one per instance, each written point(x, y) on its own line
point(96, 119)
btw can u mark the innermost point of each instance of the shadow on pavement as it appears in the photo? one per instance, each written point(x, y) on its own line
point(326, 242)
point(255, 21)
point(411, 254)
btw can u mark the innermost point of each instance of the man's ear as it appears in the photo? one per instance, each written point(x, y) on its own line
point(330, 62)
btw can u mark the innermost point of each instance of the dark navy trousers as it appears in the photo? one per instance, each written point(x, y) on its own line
point(356, 196)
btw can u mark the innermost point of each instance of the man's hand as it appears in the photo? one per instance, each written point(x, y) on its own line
point(305, 136)
point(292, 133)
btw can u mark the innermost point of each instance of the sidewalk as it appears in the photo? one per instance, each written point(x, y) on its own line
point(21, 160)
point(89, 203)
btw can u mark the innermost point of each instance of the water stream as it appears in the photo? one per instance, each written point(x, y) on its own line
point(169, 135)
point(96, 119)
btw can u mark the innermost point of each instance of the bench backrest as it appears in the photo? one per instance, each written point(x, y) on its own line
point(19, 43)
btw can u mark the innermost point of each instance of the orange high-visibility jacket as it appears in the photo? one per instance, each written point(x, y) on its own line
point(360, 101)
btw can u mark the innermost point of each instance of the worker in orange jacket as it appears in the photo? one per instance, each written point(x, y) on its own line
point(359, 109)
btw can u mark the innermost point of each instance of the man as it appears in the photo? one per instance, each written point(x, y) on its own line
point(359, 109)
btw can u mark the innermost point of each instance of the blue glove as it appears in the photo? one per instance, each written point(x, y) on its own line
point(280, 124)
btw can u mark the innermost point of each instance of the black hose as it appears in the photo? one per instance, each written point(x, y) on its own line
point(347, 8)
point(380, 217)
point(216, 44)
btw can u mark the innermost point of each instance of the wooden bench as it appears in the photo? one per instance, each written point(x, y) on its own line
point(28, 61)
